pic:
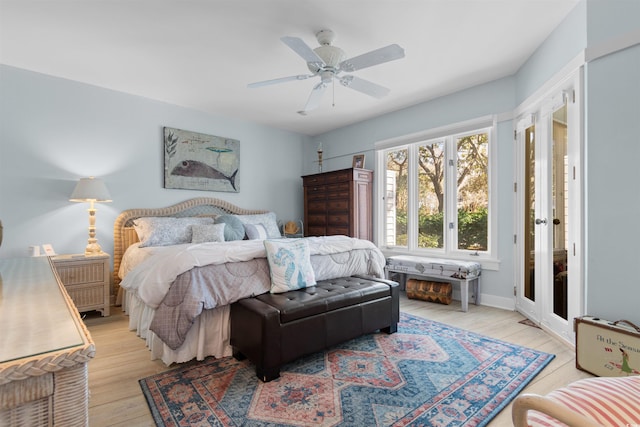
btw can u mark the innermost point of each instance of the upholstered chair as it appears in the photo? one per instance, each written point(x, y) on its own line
point(591, 402)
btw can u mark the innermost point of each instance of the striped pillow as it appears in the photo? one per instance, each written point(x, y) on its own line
point(608, 401)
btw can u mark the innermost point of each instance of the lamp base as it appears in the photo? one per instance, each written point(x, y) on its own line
point(93, 249)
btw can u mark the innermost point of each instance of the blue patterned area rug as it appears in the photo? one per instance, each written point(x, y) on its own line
point(426, 374)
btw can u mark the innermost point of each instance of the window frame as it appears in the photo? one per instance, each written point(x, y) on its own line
point(450, 134)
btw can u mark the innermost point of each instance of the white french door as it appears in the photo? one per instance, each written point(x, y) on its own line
point(549, 285)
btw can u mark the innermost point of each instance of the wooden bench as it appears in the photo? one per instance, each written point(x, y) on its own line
point(465, 273)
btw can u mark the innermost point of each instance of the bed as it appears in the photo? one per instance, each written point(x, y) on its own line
point(177, 296)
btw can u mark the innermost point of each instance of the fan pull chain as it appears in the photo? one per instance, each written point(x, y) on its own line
point(333, 92)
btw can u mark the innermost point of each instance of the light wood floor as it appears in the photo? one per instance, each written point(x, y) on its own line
point(122, 358)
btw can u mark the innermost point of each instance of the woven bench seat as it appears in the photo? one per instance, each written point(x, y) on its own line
point(465, 273)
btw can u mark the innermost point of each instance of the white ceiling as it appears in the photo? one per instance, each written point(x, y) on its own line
point(202, 54)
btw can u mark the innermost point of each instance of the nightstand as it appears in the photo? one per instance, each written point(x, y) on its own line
point(86, 279)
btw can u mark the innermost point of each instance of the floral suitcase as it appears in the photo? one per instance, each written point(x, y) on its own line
point(607, 349)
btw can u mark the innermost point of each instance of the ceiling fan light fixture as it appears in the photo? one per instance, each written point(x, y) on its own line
point(327, 76)
point(331, 55)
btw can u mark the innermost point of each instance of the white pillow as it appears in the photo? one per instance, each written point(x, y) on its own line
point(255, 232)
point(201, 233)
point(163, 231)
point(268, 220)
point(289, 265)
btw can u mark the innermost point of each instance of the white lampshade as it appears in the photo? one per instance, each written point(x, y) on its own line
point(90, 189)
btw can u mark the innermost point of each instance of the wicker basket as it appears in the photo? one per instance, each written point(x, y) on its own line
point(439, 292)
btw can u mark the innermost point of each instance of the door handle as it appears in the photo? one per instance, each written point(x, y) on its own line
point(541, 221)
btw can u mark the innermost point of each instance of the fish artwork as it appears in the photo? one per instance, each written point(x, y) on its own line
point(194, 168)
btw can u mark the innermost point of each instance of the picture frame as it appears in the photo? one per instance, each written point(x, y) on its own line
point(358, 161)
point(196, 161)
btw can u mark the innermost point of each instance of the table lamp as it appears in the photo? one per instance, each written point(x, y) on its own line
point(91, 190)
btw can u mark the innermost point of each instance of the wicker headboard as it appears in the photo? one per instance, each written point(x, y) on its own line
point(124, 234)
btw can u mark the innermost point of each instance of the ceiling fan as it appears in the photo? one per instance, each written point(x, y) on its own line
point(327, 62)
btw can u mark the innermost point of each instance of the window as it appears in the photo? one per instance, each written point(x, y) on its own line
point(436, 192)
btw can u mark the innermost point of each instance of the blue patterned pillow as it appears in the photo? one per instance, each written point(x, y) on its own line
point(207, 233)
point(233, 228)
point(163, 231)
point(289, 264)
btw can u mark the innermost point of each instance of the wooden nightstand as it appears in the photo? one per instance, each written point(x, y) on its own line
point(86, 279)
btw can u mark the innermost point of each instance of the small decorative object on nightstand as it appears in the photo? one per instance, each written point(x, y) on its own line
point(292, 229)
point(86, 279)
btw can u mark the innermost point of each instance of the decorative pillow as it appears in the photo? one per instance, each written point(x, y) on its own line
point(255, 232)
point(289, 264)
point(163, 231)
point(268, 220)
point(233, 229)
point(207, 233)
point(144, 226)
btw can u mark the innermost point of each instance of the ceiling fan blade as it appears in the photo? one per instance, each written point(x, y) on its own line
point(302, 49)
point(364, 86)
point(375, 57)
point(314, 97)
point(280, 80)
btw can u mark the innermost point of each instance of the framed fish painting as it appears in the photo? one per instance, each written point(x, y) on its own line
point(195, 161)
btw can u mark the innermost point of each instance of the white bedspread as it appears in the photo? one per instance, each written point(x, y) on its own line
point(151, 278)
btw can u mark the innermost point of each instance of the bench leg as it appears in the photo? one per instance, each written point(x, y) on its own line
point(476, 288)
point(402, 278)
point(465, 287)
point(464, 294)
point(267, 375)
point(392, 329)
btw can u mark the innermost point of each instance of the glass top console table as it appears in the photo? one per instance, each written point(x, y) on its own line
point(44, 348)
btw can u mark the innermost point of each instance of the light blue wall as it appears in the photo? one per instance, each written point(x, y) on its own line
point(55, 131)
point(608, 19)
point(340, 145)
point(613, 173)
point(562, 45)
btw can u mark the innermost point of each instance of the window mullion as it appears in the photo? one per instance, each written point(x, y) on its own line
point(451, 196)
point(412, 208)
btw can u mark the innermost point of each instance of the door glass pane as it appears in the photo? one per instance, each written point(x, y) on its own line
point(530, 213)
point(560, 186)
point(473, 191)
point(431, 195)
point(396, 198)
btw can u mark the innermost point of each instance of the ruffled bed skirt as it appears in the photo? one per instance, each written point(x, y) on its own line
point(209, 335)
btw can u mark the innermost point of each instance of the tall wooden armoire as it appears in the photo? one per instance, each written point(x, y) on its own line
point(339, 202)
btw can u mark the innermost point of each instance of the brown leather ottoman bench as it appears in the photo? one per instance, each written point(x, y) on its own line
point(273, 329)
